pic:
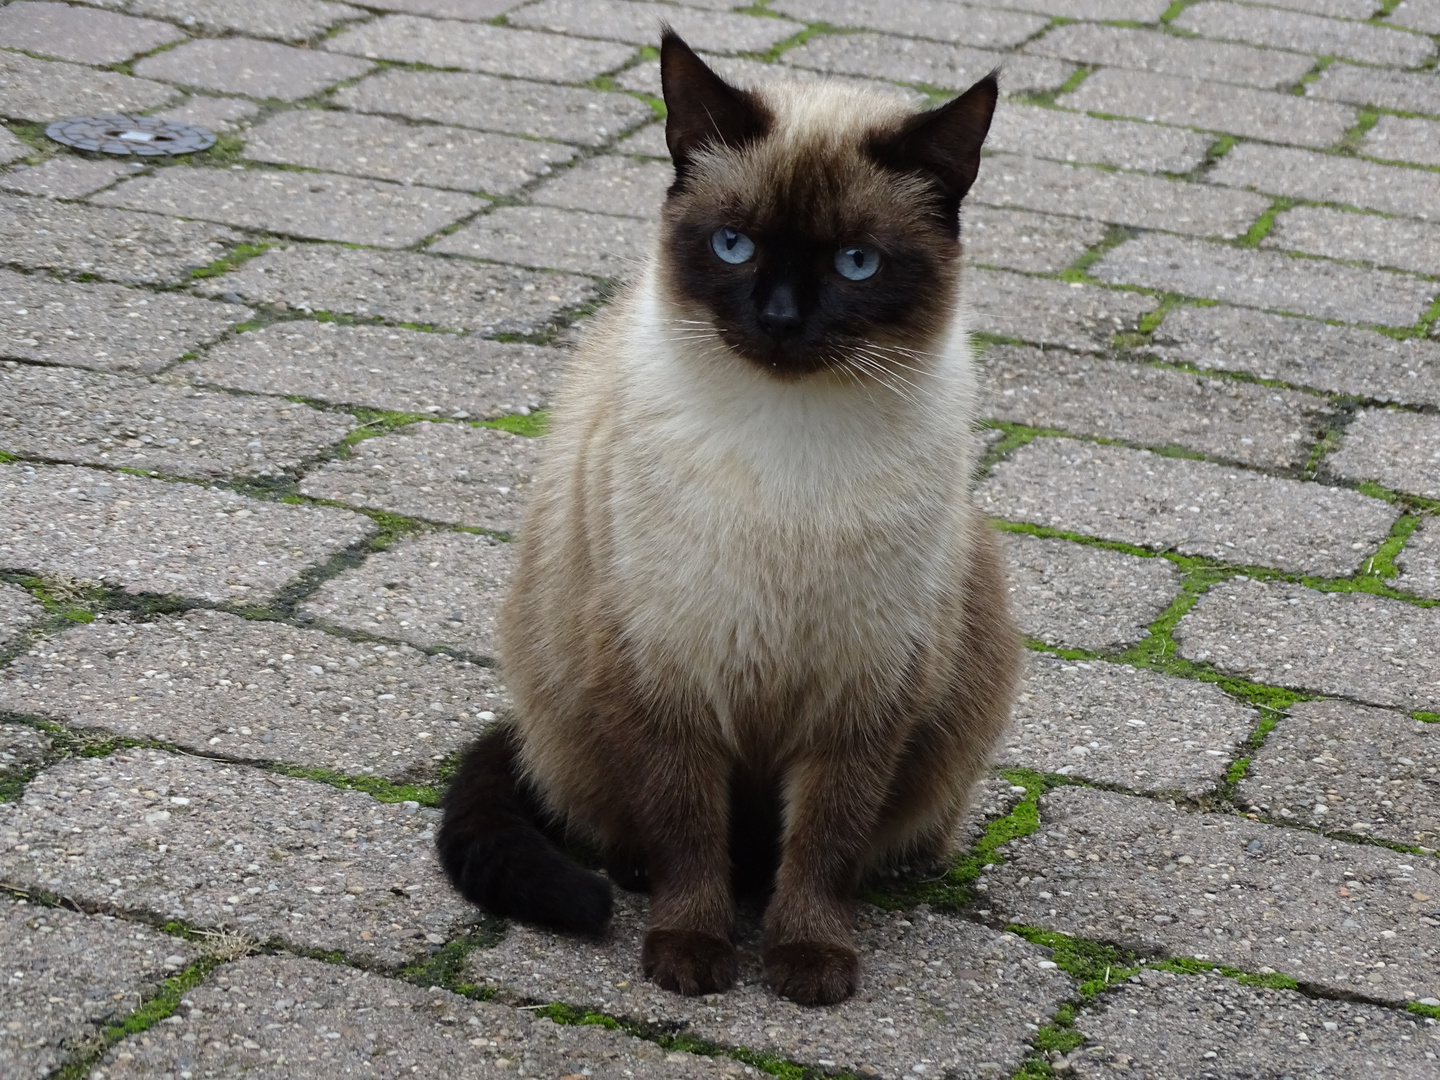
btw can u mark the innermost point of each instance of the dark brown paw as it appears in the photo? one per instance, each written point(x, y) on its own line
point(812, 972)
point(688, 962)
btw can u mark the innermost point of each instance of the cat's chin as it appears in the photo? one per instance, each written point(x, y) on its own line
point(777, 359)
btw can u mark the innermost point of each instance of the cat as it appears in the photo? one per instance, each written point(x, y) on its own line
point(757, 636)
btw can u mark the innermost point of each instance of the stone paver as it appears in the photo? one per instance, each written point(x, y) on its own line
point(482, 10)
point(45, 90)
point(954, 995)
point(1283, 170)
point(948, 67)
point(285, 19)
point(1067, 136)
point(1305, 33)
point(1115, 724)
point(221, 845)
point(1400, 450)
point(217, 114)
point(1394, 243)
point(67, 973)
point(644, 78)
point(451, 293)
point(1400, 138)
point(933, 19)
point(1194, 507)
point(1406, 91)
point(441, 472)
point(213, 683)
point(437, 590)
point(81, 34)
point(1419, 561)
point(1024, 240)
point(1364, 647)
point(610, 185)
point(64, 177)
point(1421, 15)
point(150, 536)
point(18, 611)
point(258, 69)
point(1220, 888)
point(1334, 765)
point(21, 748)
point(1047, 312)
point(544, 236)
point(1087, 395)
point(638, 23)
point(12, 148)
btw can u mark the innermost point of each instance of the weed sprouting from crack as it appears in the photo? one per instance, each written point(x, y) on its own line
point(376, 787)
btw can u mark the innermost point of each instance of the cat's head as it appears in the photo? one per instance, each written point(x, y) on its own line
point(815, 226)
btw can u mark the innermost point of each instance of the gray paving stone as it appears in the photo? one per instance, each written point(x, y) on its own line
point(1193, 1026)
point(1403, 90)
point(290, 20)
point(919, 18)
point(639, 24)
point(85, 417)
point(1085, 597)
point(381, 367)
point(1304, 352)
point(1339, 234)
point(443, 157)
point(276, 1015)
point(1404, 138)
point(1086, 395)
point(104, 326)
point(403, 287)
point(610, 185)
point(1067, 136)
point(1047, 312)
point(1301, 174)
point(68, 973)
point(567, 113)
point(1354, 645)
point(1170, 54)
point(648, 141)
point(64, 177)
point(544, 236)
point(480, 10)
point(18, 611)
point(954, 996)
point(1115, 724)
point(441, 472)
point(1249, 895)
point(644, 78)
point(1340, 9)
point(11, 148)
point(1401, 450)
point(258, 69)
point(1423, 15)
point(21, 748)
point(500, 50)
point(1305, 33)
point(1194, 507)
point(217, 114)
point(45, 90)
point(1145, 11)
point(1334, 765)
point(438, 590)
point(1022, 240)
point(82, 34)
point(1267, 279)
point(1152, 202)
point(321, 206)
point(1419, 561)
point(1191, 102)
point(149, 536)
point(213, 683)
point(948, 67)
point(230, 846)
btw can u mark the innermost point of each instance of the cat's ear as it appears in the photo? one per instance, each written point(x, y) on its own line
point(702, 109)
point(943, 143)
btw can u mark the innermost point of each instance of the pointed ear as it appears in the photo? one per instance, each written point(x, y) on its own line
point(944, 143)
point(701, 108)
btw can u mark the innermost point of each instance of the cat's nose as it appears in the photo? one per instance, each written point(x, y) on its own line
point(780, 316)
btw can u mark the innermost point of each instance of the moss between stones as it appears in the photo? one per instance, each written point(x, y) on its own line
point(531, 425)
point(223, 265)
point(374, 786)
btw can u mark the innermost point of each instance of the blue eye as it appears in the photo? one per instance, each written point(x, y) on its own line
point(732, 246)
point(858, 262)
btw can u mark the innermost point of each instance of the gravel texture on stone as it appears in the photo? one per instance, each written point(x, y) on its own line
point(610, 185)
point(1067, 136)
point(1151, 202)
point(46, 90)
point(384, 367)
point(955, 996)
point(1341, 234)
point(1334, 765)
point(68, 973)
point(11, 148)
point(104, 326)
point(1115, 724)
point(404, 287)
point(1188, 1027)
point(570, 114)
point(932, 19)
point(1303, 352)
point(82, 34)
point(1221, 888)
point(1301, 32)
point(1423, 15)
point(438, 590)
point(119, 245)
point(948, 67)
point(213, 683)
point(443, 157)
point(18, 611)
point(217, 114)
point(745, 73)
point(149, 536)
point(319, 206)
point(1401, 450)
point(1024, 240)
point(1085, 597)
point(1401, 138)
point(648, 141)
point(1267, 279)
point(639, 24)
point(500, 50)
point(290, 20)
point(258, 69)
point(1303, 174)
point(90, 418)
point(1194, 507)
point(277, 1016)
point(21, 748)
point(1047, 312)
point(1087, 395)
point(1419, 561)
point(1356, 645)
point(168, 836)
point(1402, 90)
point(1145, 11)
point(546, 236)
point(1190, 102)
point(64, 177)
point(441, 472)
point(480, 10)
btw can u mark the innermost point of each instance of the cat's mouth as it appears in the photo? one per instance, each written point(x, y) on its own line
point(785, 356)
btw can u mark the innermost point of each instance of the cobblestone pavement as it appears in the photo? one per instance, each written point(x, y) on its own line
point(267, 417)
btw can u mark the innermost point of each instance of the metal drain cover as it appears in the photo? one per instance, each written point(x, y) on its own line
point(130, 135)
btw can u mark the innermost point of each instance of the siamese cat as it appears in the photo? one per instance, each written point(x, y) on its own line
point(757, 637)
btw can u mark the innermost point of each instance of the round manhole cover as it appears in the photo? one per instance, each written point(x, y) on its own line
point(130, 135)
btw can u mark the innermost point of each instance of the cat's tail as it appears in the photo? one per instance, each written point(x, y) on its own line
point(493, 848)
